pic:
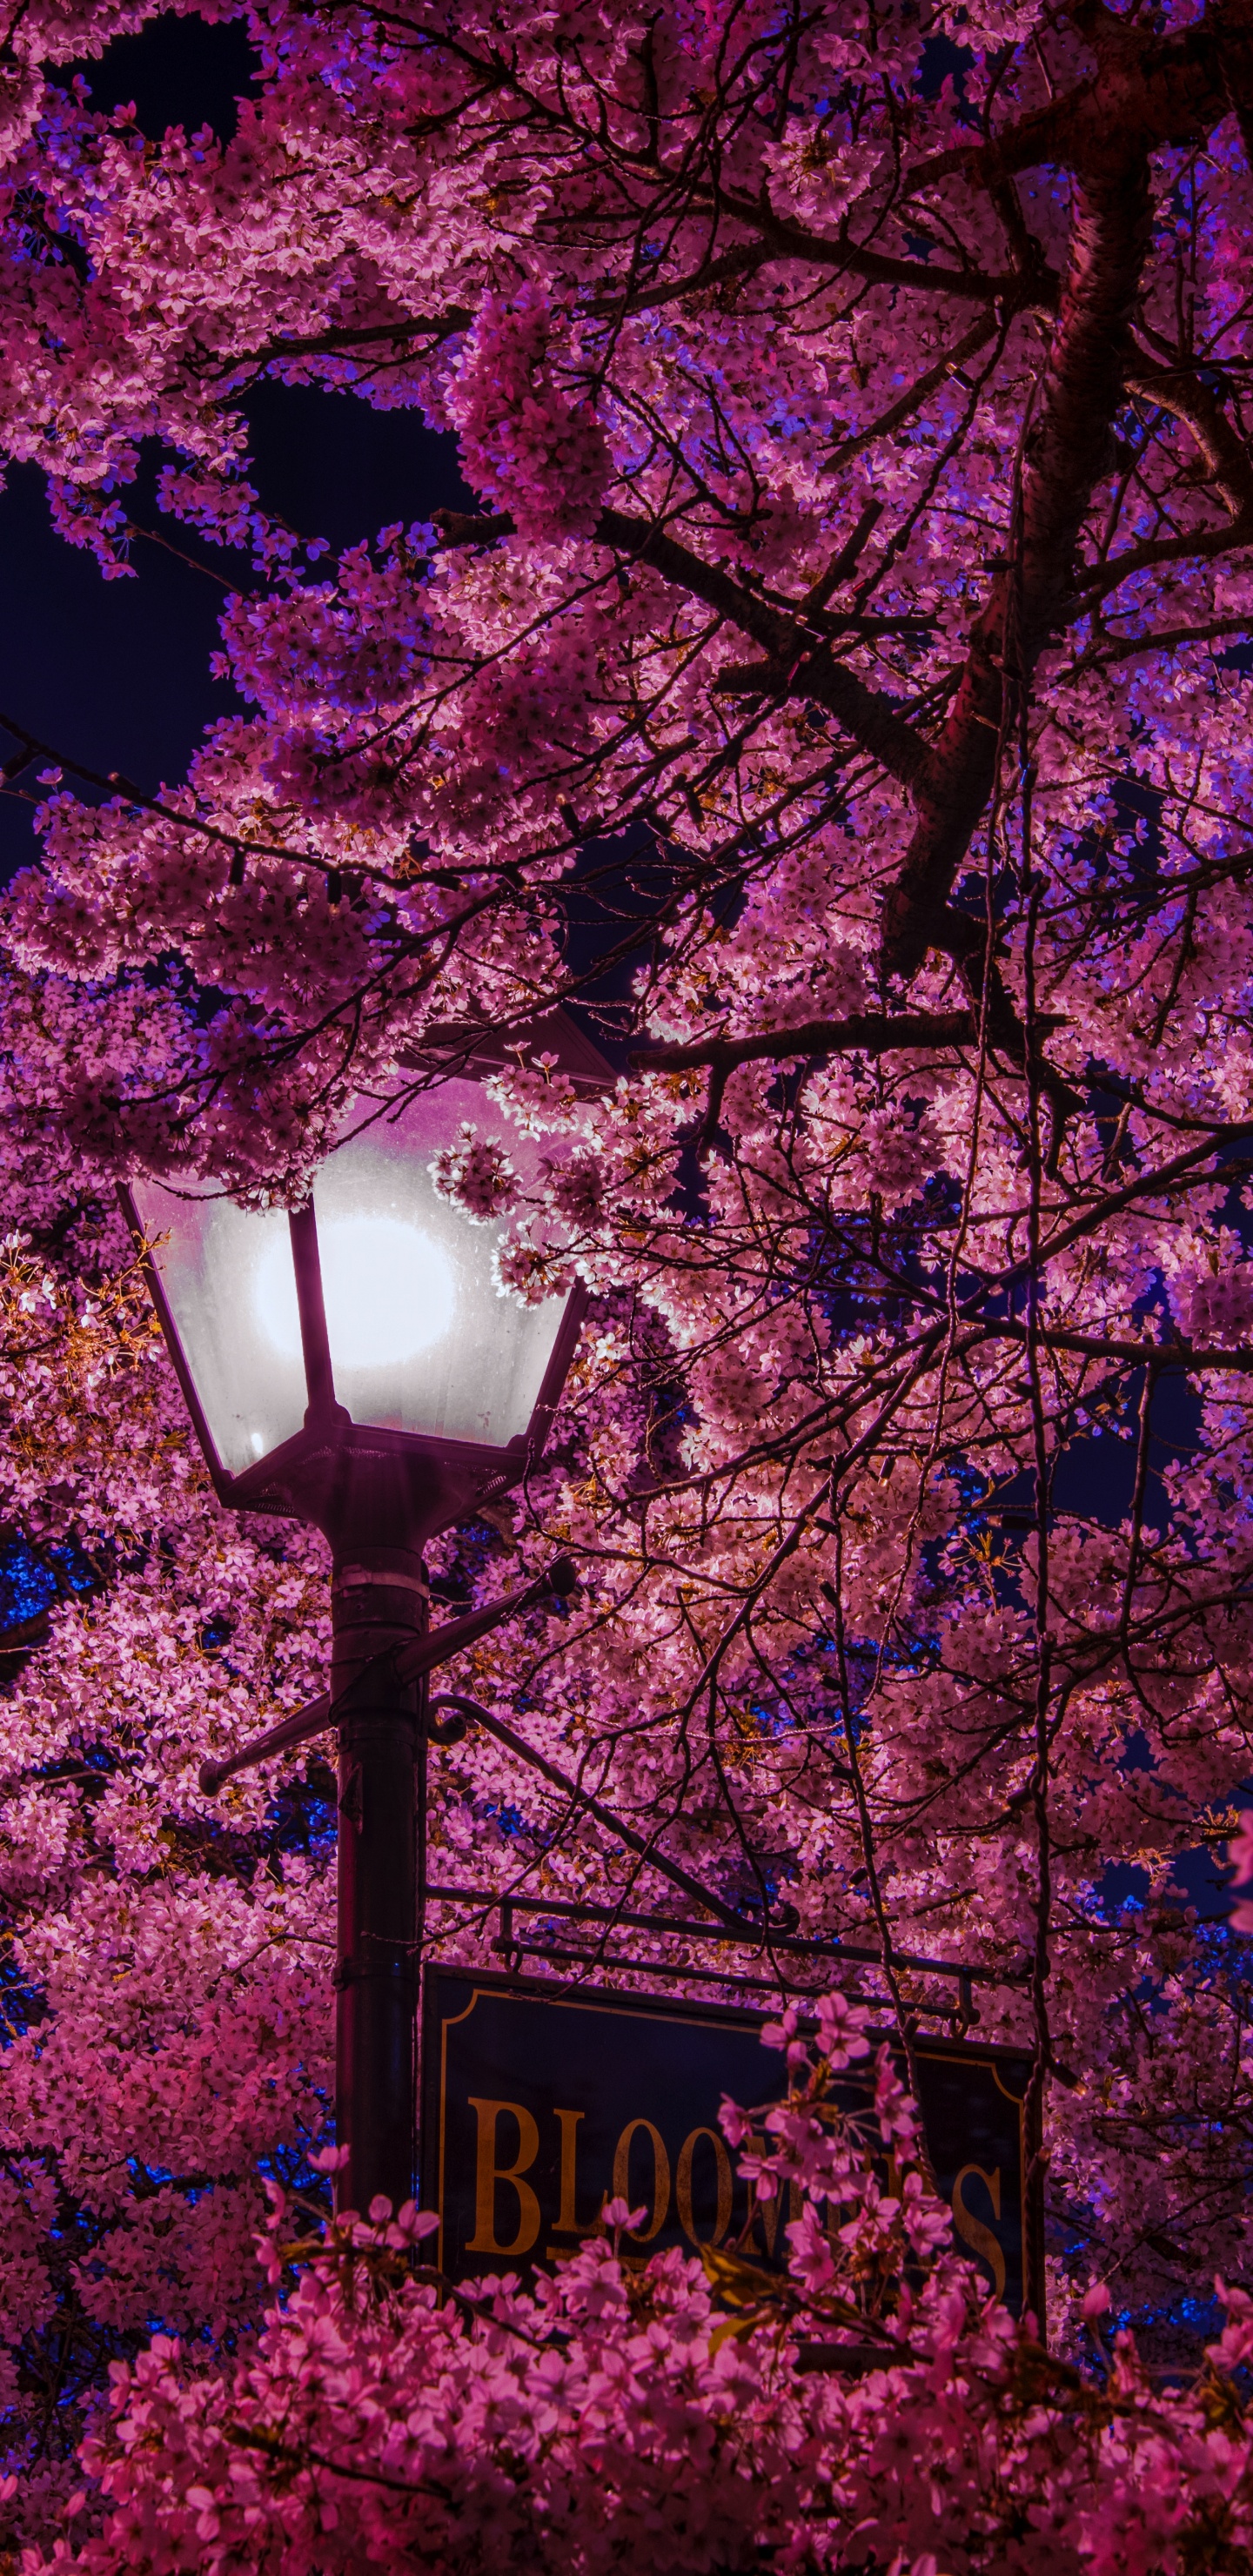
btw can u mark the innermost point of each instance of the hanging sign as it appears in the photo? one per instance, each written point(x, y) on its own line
point(540, 2102)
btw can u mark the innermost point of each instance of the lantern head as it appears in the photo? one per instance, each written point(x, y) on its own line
point(357, 1363)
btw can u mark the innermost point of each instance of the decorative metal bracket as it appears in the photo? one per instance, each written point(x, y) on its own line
point(581, 1797)
point(409, 1663)
point(515, 1943)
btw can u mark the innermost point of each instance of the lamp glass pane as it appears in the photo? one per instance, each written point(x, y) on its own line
point(421, 1340)
point(225, 1270)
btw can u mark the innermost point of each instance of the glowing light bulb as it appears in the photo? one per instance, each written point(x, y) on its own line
point(389, 1292)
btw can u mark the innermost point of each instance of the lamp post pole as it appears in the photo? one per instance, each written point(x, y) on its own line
point(382, 1651)
point(379, 1606)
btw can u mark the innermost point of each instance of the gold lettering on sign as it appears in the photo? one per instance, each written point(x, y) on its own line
point(766, 2213)
point(683, 2186)
point(567, 2223)
point(661, 2176)
point(487, 2173)
point(972, 2230)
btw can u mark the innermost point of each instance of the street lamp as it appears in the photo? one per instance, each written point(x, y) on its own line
point(353, 1364)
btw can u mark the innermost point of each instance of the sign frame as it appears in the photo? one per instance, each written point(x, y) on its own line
point(491, 1985)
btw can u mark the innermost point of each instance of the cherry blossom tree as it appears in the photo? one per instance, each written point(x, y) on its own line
point(845, 663)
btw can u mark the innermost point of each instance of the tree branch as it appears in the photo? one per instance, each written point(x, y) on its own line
point(1082, 389)
point(1009, 288)
point(435, 326)
point(804, 667)
point(864, 1032)
point(980, 332)
point(1181, 392)
point(1146, 92)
